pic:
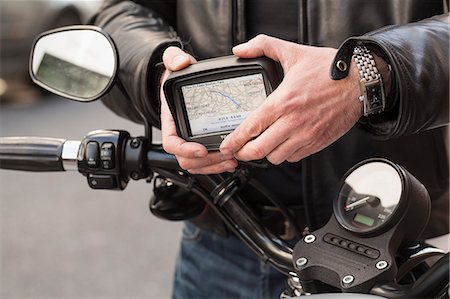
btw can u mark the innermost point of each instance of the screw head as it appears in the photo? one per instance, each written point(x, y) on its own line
point(381, 265)
point(134, 175)
point(301, 262)
point(135, 143)
point(309, 239)
point(348, 280)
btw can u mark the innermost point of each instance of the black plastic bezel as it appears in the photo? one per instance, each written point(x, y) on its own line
point(211, 70)
point(60, 93)
point(396, 215)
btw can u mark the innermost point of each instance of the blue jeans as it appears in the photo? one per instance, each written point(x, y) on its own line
point(210, 266)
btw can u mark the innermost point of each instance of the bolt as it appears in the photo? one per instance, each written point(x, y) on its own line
point(381, 265)
point(348, 280)
point(134, 175)
point(135, 143)
point(301, 262)
point(309, 239)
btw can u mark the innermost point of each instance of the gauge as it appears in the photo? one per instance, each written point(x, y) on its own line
point(370, 197)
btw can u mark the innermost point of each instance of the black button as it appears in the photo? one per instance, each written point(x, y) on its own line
point(361, 249)
point(107, 155)
point(92, 154)
point(372, 253)
point(352, 246)
point(107, 164)
point(102, 181)
point(343, 243)
point(335, 240)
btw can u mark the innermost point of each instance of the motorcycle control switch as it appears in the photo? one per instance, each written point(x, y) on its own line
point(107, 155)
point(101, 152)
point(92, 154)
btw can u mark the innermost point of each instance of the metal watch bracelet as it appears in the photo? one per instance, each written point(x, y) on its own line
point(371, 83)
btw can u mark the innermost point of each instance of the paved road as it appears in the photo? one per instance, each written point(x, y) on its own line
point(60, 239)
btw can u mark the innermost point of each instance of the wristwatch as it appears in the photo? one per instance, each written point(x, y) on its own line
point(370, 83)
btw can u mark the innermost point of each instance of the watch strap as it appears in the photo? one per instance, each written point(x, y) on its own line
point(371, 83)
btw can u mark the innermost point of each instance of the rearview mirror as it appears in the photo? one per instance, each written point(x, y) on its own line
point(76, 62)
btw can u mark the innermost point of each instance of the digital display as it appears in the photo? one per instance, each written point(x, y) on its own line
point(221, 105)
point(364, 219)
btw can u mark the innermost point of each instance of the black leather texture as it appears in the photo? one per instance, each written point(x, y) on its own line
point(411, 35)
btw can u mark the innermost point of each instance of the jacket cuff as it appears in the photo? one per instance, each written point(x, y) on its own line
point(380, 124)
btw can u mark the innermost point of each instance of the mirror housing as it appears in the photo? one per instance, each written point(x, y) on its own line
point(76, 62)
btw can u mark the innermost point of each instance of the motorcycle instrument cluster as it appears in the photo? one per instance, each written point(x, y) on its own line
point(380, 207)
point(369, 199)
point(209, 99)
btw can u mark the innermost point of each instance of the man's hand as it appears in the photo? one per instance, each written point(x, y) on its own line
point(306, 113)
point(191, 156)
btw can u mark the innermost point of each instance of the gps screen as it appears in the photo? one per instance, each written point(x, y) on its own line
point(221, 105)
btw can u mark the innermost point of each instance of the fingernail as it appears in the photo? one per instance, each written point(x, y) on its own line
point(178, 60)
point(240, 47)
point(229, 165)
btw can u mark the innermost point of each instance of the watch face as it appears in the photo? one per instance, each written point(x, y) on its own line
point(374, 97)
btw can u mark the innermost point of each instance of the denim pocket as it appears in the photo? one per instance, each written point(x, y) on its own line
point(191, 232)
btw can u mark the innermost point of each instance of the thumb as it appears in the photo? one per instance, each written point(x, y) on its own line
point(175, 59)
point(261, 45)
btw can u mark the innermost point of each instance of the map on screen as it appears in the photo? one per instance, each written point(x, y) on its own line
point(221, 105)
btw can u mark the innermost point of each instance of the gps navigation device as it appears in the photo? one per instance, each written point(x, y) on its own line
point(209, 99)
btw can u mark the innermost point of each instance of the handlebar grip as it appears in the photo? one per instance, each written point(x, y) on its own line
point(31, 153)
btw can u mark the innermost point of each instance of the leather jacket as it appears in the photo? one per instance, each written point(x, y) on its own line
point(411, 35)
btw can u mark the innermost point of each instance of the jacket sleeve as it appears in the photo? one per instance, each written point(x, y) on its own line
point(141, 35)
point(419, 56)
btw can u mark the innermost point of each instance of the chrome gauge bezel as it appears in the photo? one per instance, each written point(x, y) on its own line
point(394, 217)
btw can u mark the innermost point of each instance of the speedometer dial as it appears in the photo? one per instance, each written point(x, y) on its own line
point(369, 197)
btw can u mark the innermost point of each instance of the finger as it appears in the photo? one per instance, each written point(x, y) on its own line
point(284, 151)
point(178, 146)
point(175, 59)
point(209, 160)
point(264, 144)
point(174, 144)
point(261, 45)
point(226, 166)
point(258, 121)
point(250, 128)
point(302, 153)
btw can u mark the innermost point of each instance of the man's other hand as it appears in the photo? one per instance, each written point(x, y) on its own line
point(191, 156)
point(306, 113)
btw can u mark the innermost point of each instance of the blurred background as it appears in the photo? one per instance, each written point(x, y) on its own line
point(59, 238)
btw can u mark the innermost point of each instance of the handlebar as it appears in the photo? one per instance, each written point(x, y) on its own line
point(32, 153)
point(135, 160)
point(132, 156)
